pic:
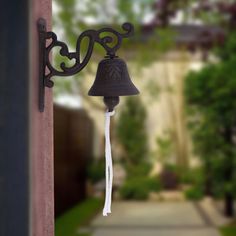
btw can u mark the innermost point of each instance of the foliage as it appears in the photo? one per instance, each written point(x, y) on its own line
point(131, 132)
point(138, 188)
point(68, 223)
point(102, 11)
point(210, 96)
point(165, 147)
point(134, 189)
point(229, 230)
point(173, 168)
point(95, 171)
point(193, 176)
point(194, 193)
point(73, 17)
point(154, 184)
point(226, 52)
point(138, 170)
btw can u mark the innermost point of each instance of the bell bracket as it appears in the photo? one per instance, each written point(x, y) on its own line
point(48, 41)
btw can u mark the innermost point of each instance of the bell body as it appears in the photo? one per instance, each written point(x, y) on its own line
point(112, 80)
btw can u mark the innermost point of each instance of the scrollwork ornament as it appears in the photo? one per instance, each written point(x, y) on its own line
point(48, 41)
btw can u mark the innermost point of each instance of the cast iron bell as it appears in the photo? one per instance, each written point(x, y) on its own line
point(112, 80)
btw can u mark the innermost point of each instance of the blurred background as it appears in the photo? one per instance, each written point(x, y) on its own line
point(174, 145)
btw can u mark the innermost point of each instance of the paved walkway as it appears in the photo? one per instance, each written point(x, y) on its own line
point(154, 219)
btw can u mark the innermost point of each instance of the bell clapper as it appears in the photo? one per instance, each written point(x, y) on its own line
point(111, 102)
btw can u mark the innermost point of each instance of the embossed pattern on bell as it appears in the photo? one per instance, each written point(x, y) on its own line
point(112, 79)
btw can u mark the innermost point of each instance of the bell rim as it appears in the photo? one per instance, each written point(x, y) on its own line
point(111, 92)
point(112, 95)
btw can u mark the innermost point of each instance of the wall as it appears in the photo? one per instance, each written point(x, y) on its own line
point(41, 135)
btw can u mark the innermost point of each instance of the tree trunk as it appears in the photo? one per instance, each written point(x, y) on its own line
point(208, 177)
point(229, 199)
point(229, 205)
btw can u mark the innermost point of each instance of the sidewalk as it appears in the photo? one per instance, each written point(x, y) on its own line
point(154, 219)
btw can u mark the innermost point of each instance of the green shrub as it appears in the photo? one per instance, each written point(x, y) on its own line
point(229, 230)
point(172, 168)
point(138, 188)
point(194, 193)
point(138, 170)
point(154, 184)
point(193, 176)
point(69, 223)
point(217, 192)
point(133, 190)
point(131, 131)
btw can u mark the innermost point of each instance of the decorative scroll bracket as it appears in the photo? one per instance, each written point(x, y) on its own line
point(48, 40)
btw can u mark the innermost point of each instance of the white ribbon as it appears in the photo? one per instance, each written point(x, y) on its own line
point(109, 168)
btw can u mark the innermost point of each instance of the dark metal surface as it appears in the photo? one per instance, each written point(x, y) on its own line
point(112, 80)
point(42, 60)
point(111, 102)
point(47, 71)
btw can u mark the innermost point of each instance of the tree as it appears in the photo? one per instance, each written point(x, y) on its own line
point(131, 132)
point(210, 96)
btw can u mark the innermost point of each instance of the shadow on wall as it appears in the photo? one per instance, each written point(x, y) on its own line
point(73, 145)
